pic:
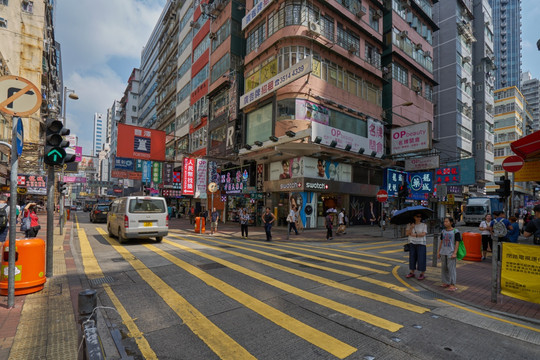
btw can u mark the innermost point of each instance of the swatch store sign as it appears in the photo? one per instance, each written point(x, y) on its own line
point(316, 186)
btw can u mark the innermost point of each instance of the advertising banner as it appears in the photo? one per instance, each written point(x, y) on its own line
point(139, 165)
point(422, 163)
point(520, 272)
point(35, 184)
point(78, 153)
point(168, 173)
point(254, 12)
point(421, 185)
point(285, 77)
point(156, 172)
point(140, 143)
point(310, 168)
point(188, 176)
point(234, 181)
point(87, 164)
point(146, 171)
point(529, 172)
point(307, 110)
point(130, 175)
point(74, 179)
point(327, 134)
point(411, 138)
point(447, 175)
point(202, 169)
point(123, 164)
point(394, 178)
point(375, 137)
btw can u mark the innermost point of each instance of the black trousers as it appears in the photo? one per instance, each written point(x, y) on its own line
point(328, 233)
point(244, 228)
point(292, 226)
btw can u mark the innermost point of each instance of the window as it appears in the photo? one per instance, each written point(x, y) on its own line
point(223, 33)
point(255, 38)
point(220, 104)
point(183, 93)
point(400, 74)
point(374, 19)
point(3, 23)
point(184, 44)
point(428, 92)
point(286, 109)
point(259, 124)
point(201, 48)
point(134, 108)
point(416, 84)
point(198, 79)
point(499, 152)
point(221, 67)
point(218, 136)
point(184, 68)
point(348, 40)
point(4, 2)
point(373, 56)
point(327, 27)
point(27, 6)
point(198, 139)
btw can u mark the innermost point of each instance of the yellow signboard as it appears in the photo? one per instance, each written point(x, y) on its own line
point(520, 271)
point(529, 172)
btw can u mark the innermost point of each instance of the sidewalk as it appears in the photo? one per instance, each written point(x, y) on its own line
point(43, 325)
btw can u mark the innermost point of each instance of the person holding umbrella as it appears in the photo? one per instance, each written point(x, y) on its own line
point(416, 231)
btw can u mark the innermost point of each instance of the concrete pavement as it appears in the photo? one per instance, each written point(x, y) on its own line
point(43, 325)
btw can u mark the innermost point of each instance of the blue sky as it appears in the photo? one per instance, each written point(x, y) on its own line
point(102, 40)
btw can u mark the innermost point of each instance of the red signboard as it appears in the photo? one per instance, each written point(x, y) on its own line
point(140, 143)
point(188, 176)
point(382, 196)
point(512, 163)
point(122, 174)
point(447, 175)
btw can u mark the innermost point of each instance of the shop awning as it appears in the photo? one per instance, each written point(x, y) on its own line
point(528, 147)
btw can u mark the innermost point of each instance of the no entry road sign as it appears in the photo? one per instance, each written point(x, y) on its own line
point(382, 196)
point(512, 163)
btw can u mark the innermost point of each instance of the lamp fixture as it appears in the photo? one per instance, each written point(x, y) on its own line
point(274, 138)
point(373, 153)
point(361, 151)
point(247, 147)
point(333, 143)
point(348, 147)
point(317, 140)
point(258, 143)
point(290, 133)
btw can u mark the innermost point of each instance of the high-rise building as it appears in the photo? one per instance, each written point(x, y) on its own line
point(530, 88)
point(507, 42)
point(453, 48)
point(130, 100)
point(100, 133)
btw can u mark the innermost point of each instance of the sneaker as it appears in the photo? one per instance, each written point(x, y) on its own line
point(410, 275)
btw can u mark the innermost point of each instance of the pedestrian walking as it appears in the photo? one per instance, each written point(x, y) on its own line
point(448, 247)
point(329, 224)
point(341, 223)
point(533, 227)
point(268, 219)
point(30, 212)
point(291, 220)
point(4, 218)
point(215, 220)
point(513, 233)
point(417, 231)
point(192, 215)
point(244, 221)
point(486, 236)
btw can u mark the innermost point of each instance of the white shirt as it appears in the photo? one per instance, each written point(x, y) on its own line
point(340, 217)
point(485, 225)
point(417, 229)
point(292, 214)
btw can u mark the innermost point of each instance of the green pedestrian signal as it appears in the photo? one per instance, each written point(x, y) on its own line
point(55, 144)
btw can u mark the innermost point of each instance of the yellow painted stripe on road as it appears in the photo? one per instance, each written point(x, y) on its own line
point(378, 263)
point(316, 278)
point(318, 338)
point(376, 247)
point(490, 316)
point(394, 272)
point(93, 271)
point(217, 340)
point(360, 244)
point(331, 304)
point(77, 221)
point(326, 268)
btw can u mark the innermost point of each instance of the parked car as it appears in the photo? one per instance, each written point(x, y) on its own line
point(99, 213)
point(136, 217)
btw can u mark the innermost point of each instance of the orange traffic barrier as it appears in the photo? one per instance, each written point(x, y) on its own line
point(29, 266)
point(199, 225)
point(473, 244)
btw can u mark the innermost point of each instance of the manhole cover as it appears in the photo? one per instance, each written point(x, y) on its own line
point(210, 266)
point(103, 280)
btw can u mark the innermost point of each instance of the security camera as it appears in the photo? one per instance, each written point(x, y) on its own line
point(538, 44)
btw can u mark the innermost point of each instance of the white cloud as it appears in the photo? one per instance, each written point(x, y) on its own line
point(101, 42)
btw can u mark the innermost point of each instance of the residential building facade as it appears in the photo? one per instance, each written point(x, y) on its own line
point(100, 133)
point(530, 88)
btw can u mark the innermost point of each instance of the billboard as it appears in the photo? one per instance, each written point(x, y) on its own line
point(188, 176)
point(411, 138)
point(310, 168)
point(140, 143)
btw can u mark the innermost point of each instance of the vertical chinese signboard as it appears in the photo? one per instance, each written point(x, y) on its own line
point(167, 173)
point(188, 176)
point(260, 177)
point(202, 168)
point(156, 172)
point(146, 171)
point(376, 137)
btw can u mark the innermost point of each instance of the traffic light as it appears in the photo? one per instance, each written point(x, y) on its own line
point(55, 153)
point(403, 191)
point(501, 191)
point(507, 189)
point(62, 187)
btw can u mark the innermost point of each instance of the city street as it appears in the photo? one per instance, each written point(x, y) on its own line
point(196, 296)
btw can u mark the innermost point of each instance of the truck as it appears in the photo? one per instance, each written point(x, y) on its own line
point(478, 207)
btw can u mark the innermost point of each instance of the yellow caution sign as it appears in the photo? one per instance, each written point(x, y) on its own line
point(520, 272)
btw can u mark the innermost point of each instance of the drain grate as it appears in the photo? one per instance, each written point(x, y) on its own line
point(427, 294)
point(103, 280)
point(211, 266)
point(289, 255)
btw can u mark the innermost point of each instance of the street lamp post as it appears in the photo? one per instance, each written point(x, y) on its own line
point(74, 96)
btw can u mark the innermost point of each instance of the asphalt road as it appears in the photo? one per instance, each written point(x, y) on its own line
point(212, 297)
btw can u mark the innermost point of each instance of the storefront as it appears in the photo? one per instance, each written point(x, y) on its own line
point(314, 186)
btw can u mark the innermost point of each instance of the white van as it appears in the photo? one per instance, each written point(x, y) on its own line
point(138, 217)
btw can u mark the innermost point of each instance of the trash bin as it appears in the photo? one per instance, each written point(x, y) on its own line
point(68, 211)
point(473, 244)
point(29, 266)
point(199, 225)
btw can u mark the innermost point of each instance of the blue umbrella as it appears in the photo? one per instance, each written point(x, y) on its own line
point(406, 215)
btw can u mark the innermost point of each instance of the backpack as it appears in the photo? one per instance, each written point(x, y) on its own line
point(499, 229)
point(3, 219)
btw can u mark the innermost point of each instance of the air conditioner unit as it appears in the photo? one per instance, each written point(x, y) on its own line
point(416, 88)
point(314, 28)
point(352, 48)
point(418, 46)
point(194, 24)
point(403, 34)
point(427, 53)
point(378, 14)
point(463, 80)
point(212, 35)
point(405, 3)
point(359, 10)
point(466, 59)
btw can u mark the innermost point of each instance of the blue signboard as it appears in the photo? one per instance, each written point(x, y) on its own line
point(146, 171)
point(421, 185)
point(123, 164)
point(394, 178)
point(467, 171)
point(20, 136)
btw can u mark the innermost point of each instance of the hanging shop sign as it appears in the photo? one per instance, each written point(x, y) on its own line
point(202, 169)
point(140, 143)
point(146, 171)
point(260, 177)
point(188, 176)
point(234, 181)
point(156, 172)
point(123, 164)
point(285, 77)
point(423, 163)
point(254, 12)
point(35, 184)
point(167, 173)
point(393, 179)
point(447, 175)
point(412, 138)
point(375, 137)
point(307, 110)
point(421, 185)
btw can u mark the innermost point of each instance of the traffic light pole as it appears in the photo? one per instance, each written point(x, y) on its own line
point(512, 197)
point(62, 205)
point(12, 215)
point(50, 222)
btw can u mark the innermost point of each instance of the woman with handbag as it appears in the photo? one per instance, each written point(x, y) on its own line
point(417, 232)
point(30, 221)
